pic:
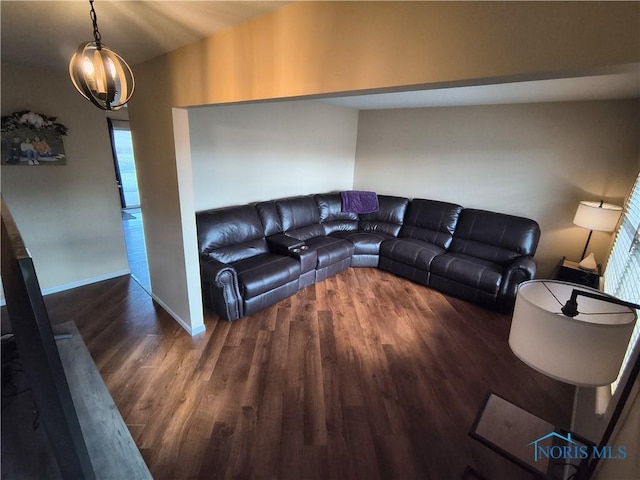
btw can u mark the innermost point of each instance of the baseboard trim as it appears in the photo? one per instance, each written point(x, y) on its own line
point(79, 283)
point(87, 281)
point(191, 331)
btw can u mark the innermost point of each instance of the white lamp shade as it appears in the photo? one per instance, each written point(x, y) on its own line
point(593, 216)
point(585, 350)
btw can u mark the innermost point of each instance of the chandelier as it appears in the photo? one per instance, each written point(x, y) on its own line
point(99, 74)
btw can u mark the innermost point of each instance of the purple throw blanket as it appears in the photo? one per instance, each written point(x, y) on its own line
point(354, 201)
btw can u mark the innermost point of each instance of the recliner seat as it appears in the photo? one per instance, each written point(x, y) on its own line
point(489, 254)
point(301, 220)
point(232, 241)
point(426, 233)
point(373, 229)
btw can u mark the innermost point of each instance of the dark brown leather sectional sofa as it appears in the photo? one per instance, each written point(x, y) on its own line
point(253, 256)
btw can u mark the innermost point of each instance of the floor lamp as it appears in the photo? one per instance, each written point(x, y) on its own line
point(598, 216)
point(574, 334)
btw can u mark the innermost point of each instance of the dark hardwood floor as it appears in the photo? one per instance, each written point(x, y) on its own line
point(362, 376)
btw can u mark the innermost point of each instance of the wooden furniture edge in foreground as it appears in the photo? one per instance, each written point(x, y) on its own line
point(113, 453)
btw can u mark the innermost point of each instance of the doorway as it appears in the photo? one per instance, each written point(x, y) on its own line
point(127, 181)
point(125, 165)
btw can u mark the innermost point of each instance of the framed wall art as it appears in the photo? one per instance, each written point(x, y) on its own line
point(32, 139)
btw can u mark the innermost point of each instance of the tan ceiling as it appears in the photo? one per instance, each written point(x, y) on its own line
point(46, 33)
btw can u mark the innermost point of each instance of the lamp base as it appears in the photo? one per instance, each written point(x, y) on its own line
point(589, 263)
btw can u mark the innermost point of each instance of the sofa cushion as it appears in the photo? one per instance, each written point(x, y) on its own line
point(297, 212)
point(330, 250)
point(388, 219)
point(305, 233)
point(234, 253)
point(468, 270)
point(365, 243)
point(494, 237)
point(332, 226)
point(332, 217)
point(268, 213)
point(259, 274)
point(410, 251)
point(330, 208)
point(431, 221)
point(230, 234)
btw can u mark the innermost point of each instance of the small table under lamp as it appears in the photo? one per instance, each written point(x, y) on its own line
point(598, 216)
point(574, 334)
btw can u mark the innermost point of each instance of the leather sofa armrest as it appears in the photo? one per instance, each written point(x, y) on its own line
point(283, 244)
point(520, 270)
point(220, 288)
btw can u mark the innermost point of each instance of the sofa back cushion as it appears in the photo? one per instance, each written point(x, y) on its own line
point(230, 234)
point(494, 237)
point(388, 219)
point(300, 217)
point(332, 217)
point(268, 213)
point(431, 221)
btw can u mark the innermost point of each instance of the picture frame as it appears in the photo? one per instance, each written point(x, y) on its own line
point(32, 139)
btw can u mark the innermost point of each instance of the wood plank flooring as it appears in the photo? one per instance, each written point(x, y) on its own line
point(362, 376)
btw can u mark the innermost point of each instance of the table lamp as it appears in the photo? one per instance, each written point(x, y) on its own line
point(574, 334)
point(598, 216)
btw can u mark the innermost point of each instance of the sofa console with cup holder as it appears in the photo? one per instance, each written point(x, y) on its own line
point(253, 256)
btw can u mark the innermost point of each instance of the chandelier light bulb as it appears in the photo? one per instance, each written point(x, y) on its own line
point(88, 68)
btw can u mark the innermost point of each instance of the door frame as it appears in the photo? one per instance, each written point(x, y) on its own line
point(116, 165)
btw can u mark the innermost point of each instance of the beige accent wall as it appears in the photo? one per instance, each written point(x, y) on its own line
point(318, 48)
point(532, 160)
point(247, 153)
point(69, 216)
point(309, 48)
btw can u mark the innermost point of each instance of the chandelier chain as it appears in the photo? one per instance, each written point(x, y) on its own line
point(96, 32)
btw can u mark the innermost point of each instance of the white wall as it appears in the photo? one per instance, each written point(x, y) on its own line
point(69, 216)
point(533, 160)
point(247, 153)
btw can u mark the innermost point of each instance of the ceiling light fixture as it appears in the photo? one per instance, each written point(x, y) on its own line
point(99, 74)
